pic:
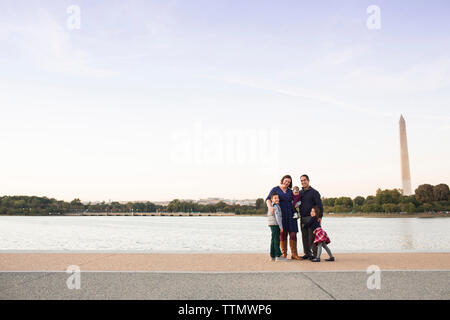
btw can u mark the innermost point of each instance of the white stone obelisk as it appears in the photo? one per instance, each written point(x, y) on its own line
point(406, 173)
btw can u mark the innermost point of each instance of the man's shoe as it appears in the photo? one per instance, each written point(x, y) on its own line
point(330, 259)
point(305, 257)
point(311, 257)
point(315, 260)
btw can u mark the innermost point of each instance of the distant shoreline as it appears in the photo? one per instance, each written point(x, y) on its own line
point(221, 214)
point(376, 215)
point(369, 215)
point(389, 215)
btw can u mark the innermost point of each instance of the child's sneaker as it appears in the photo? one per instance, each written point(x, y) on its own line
point(280, 259)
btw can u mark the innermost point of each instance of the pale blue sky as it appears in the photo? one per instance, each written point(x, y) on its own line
point(139, 103)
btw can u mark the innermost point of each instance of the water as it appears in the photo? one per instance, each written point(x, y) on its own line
point(213, 234)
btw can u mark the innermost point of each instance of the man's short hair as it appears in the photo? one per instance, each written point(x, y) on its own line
point(304, 175)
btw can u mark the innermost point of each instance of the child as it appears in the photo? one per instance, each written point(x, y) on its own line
point(296, 201)
point(321, 239)
point(275, 225)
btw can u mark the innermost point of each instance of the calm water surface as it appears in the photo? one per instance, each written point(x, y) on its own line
point(213, 234)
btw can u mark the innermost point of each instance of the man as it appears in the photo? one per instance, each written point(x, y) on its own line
point(309, 198)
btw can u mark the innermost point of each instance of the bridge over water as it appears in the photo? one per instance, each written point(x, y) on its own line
point(156, 214)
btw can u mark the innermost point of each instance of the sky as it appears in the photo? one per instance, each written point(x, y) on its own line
point(157, 100)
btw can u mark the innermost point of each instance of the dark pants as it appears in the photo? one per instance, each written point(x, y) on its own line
point(307, 238)
point(275, 242)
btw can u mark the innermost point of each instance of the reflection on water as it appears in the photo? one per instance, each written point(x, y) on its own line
point(407, 241)
point(214, 234)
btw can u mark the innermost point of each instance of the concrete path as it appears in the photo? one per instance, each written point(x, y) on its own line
point(222, 276)
point(204, 286)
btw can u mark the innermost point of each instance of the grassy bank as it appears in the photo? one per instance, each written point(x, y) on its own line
point(388, 215)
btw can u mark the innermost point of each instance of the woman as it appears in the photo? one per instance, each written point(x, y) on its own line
point(290, 225)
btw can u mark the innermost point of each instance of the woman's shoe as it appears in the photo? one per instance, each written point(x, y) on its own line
point(330, 259)
point(283, 246)
point(294, 254)
point(315, 260)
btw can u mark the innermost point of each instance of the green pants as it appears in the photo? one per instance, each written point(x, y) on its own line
point(275, 242)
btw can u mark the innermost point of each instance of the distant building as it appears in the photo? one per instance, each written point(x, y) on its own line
point(245, 202)
point(210, 200)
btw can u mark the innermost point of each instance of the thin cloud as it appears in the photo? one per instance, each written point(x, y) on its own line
point(47, 45)
point(303, 93)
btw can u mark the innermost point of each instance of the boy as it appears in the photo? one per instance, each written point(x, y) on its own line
point(276, 225)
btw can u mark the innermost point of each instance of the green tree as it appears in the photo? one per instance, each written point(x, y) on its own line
point(424, 193)
point(388, 196)
point(344, 201)
point(390, 207)
point(343, 204)
point(328, 209)
point(260, 204)
point(427, 207)
point(340, 208)
point(409, 199)
point(328, 202)
point(358, 201)
point(173, 206)
point(371, 207)
point(219, 206)
point(441, 192)
point(408, 207)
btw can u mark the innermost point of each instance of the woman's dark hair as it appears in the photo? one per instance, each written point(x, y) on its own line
point(319, 213)
point(287, 177)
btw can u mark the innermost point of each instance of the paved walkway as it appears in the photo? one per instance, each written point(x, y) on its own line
point(222, 276)
point(217, 262)
point(203, 286)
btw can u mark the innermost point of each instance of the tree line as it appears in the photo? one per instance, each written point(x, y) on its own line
point(425, 199)
point(25, 205)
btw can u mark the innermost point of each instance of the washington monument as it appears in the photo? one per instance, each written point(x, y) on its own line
point(406, 174)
